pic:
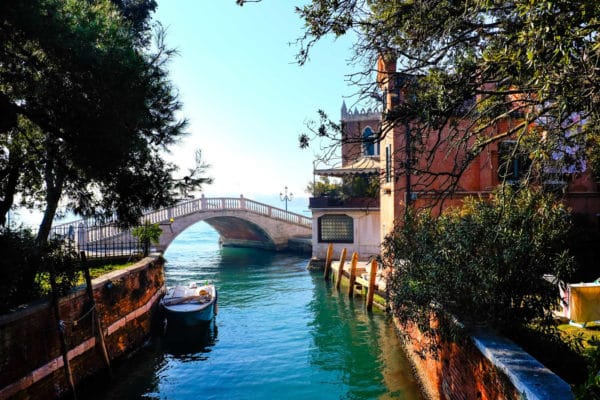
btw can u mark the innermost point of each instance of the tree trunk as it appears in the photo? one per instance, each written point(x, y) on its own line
point(54, 178)
point(9, 190)
point(52, 197)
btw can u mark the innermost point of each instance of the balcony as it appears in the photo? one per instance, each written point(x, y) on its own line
point(327, 202)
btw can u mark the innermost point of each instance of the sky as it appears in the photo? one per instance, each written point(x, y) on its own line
point(244, 96)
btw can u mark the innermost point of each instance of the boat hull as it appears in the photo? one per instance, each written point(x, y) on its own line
point(190, 318)
point(190, 312)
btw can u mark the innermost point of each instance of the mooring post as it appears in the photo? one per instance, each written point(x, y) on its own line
point(353, 274)
point(328, 259)
point(341, 268)
point(371, 292)
point(61, 334)
point(99, 332)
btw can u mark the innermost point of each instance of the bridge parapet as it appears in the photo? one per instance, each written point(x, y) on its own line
point(87, 232)
point(225, 203)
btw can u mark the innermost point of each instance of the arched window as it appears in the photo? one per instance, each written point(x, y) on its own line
point(336, 228)
point(513, 163)
point(370, 144)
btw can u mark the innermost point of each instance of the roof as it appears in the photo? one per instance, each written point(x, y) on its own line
point(362, 166)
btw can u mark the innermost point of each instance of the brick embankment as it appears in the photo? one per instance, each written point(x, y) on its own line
point(31, 365)
point(481, 366)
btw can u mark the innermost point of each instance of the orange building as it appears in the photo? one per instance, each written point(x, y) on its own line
point(481, 175)
point(372, 147)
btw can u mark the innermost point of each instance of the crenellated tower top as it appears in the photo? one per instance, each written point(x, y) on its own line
point(362, 115)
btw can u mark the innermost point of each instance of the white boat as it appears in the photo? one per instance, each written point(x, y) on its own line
point(190, 305)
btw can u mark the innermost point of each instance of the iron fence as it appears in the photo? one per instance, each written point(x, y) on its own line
point(122, 245)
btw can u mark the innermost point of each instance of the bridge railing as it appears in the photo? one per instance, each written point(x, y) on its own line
point(86, 231)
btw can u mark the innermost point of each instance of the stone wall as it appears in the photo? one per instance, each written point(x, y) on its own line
point(482, 366)
point(31, 365)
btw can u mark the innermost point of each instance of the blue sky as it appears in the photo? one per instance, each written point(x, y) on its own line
point(244, 96)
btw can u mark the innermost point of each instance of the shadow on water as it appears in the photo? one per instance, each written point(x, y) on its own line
point(139, 376)
point(234, 256)
point(189, 343)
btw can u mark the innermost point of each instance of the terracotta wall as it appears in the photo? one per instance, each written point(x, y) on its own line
point(352, 145)
point(456, 372)
point(31, 358)
point(480, 367)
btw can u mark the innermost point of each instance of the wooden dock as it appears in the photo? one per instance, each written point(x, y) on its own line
point(361, 277)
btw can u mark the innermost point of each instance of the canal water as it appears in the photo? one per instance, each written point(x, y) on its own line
point(281, 332)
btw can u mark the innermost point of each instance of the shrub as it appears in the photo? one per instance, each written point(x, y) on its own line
point(356, 186)
point(483, 263)
point(590, 389)
point(61, 261)
point(25, 268)
point(146, 234)
point(17, 269)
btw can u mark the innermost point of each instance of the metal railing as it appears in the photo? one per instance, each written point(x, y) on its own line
point(115, 246)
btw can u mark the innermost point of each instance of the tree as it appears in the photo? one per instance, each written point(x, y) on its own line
point(137, 13)
point(147, 234)
point(95, 104)
point(193, 181)
point(480, 71)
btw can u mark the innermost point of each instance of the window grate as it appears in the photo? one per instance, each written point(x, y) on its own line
point(336, 228)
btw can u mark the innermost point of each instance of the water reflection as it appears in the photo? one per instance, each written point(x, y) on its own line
point(346, 342)
point(189, 343)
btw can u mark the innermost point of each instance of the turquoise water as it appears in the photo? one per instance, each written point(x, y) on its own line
point(281, 332)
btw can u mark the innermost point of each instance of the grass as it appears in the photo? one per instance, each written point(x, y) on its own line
point(43, 279)
point(100, 270)
point(588, 337)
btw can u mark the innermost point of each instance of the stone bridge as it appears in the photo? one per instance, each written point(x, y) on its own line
point(239, 221)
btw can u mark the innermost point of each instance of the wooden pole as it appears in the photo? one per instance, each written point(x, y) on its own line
point(61, 334)
point(341, 268)
point(353, 274)
point(328, 261)
point(99, 332)
point(371, 292)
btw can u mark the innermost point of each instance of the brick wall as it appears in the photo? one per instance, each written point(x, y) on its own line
point(479, 367)
point(30, 352)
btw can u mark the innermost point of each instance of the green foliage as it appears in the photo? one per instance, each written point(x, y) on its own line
point(25, 268)
point(193, 181)
point(356, 186)
point(17, 268)
point(484, 262)
point(593, 155)
point(146, 234)
point(100, 270)
point(361, 186)
point(324, 187)
point(590, 389)
point(98, 106)
point(61, 262)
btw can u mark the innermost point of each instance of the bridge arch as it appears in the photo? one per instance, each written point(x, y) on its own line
point(235, 229)
point(240, 222)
